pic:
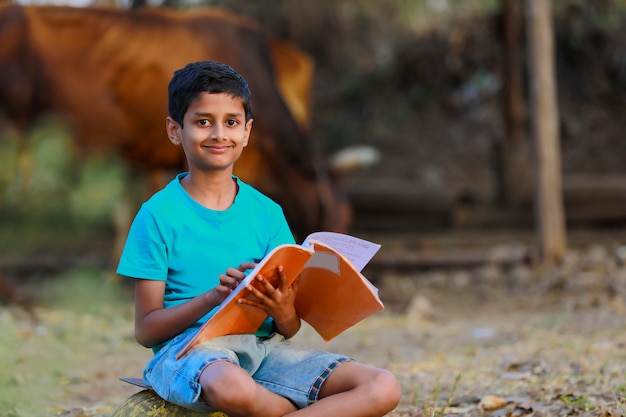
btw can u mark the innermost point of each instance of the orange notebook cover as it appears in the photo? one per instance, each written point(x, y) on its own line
point(332, 297)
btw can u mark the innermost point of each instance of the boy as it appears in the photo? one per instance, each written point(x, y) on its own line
point(191, 244)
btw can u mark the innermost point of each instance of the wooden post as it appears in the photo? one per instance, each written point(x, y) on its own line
point(545, 132)
point(513, 91)
point(512, 153)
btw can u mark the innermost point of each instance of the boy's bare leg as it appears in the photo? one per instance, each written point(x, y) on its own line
point(355, 390)
point(232, 390)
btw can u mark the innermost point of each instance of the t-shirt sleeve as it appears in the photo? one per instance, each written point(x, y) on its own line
point(145, 253)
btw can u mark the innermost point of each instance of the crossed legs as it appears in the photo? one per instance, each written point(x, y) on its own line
point(352, 390)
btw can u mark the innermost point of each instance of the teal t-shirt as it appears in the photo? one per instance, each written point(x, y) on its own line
point(175, 239)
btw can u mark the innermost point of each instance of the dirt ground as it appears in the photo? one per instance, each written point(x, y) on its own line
point(490, 339)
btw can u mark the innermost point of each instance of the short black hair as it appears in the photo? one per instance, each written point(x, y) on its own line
point(205, 76)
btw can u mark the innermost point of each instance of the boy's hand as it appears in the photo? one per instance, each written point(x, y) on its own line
point(232, 278)
point(277, 302)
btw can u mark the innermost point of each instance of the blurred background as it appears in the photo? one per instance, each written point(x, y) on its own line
point(420, 84)
point(411, 98)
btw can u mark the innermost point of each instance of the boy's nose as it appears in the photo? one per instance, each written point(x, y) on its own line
point(217, 133)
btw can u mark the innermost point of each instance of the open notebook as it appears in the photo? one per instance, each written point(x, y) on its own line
point(333, 294)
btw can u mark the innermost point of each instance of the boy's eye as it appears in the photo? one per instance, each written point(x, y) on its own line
point(204, 122)
point(231, 122)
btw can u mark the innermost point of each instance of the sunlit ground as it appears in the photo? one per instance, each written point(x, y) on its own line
point(82, 320)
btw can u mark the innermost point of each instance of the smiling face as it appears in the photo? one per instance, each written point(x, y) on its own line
point(214, 134)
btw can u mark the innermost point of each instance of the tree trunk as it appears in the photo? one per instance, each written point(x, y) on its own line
point(514, 170)
point(544, 110)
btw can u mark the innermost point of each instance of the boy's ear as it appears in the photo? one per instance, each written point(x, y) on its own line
point(247, 134)
point(173, 130)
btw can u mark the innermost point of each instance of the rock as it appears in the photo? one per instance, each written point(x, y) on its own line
point(148, 403)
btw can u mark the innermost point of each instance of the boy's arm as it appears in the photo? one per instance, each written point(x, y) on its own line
point(155, 324)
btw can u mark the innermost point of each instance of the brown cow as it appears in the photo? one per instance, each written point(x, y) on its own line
point(107, 71)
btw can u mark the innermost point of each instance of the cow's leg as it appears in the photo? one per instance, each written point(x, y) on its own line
point(126, 208)
point(122, 219)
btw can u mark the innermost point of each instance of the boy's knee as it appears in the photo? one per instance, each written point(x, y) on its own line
point(385, 390)
point(228, 390)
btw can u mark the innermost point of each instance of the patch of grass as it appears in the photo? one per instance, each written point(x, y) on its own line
point(85, 291)
point(83, 316)
point(578, 401)
point(429, 405)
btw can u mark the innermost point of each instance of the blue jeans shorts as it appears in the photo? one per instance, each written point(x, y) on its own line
point(283, 368)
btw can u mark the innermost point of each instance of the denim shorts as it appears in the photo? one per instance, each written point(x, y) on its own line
point(277, 364)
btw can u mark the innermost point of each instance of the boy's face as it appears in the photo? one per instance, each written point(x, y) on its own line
point(214, 134)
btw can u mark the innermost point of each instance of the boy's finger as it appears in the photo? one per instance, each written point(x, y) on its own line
point(295, 283)
point(246, 266)
point(238, 272)
point(283, 278)
point(251, 303)
point(259, 294)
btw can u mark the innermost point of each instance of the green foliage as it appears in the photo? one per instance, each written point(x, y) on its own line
point(8, 160)
point(45, 184)
point(580, 22)
point(38, 186)
point(99, 187)
point(578, 401)
point(420, 15)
